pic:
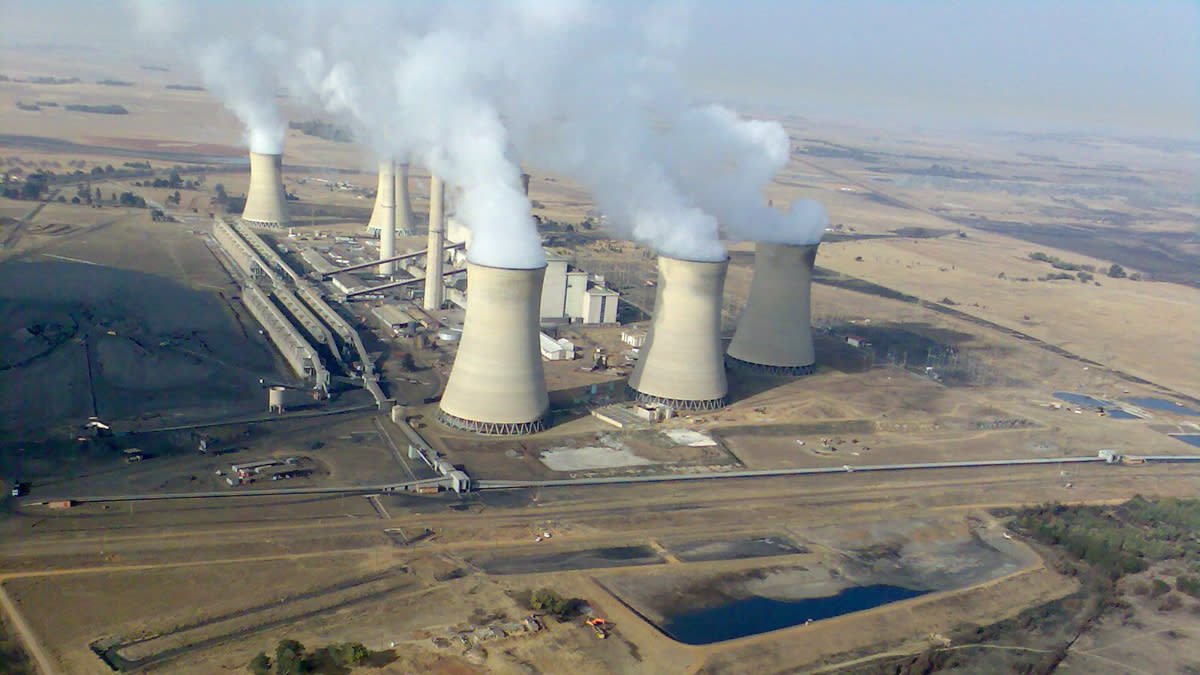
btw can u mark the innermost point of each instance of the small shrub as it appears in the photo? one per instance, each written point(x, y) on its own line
point(1170, 603)
point(260, 664)
point(1188, 585)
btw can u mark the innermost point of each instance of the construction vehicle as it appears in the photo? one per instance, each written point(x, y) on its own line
point(600, 626)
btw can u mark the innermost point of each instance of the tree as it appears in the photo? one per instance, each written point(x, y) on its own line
point(1116, 271)
point(289, 658)
point(545, 599)
point(260, 664)
point(348, 653)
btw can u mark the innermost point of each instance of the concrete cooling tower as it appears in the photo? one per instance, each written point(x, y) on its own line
point(383, 217)
point(774, 335)
point(681, 363)
point(497, 385)
point(266, 202)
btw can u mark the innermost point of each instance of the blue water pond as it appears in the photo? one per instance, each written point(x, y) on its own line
point(755, 614)
point(1162, 405)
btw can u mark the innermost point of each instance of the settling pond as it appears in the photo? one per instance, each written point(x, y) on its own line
point(1112, 411)
point(756, 614)
point(1163, 405)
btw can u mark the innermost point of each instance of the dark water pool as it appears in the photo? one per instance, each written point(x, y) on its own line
point(1080, 399)
point(1109, 409)
point(1190, 439)
point(1162, 405)
point(754, 615)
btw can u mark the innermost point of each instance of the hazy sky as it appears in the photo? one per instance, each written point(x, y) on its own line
point(1072, 64)
point(1127, 64)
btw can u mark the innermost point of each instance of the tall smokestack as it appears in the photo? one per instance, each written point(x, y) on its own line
point(774, 335)
point(403, 203)
point(681, 364)
point(383, 217)
point(434, 288)
point(497, 385)
point(266, 202)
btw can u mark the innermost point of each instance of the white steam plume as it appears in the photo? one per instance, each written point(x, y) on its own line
point(726, 162)
point(242, 71)
point(575, 88)
point(234, 72)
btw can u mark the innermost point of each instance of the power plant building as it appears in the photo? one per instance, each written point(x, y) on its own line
point(266, 200)
point(497, 384)
point(681, 363)
point(572, 295)
point(599, 305)
point(774, 334)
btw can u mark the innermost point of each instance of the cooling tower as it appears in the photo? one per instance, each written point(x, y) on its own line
point(681, 363)
point(266, 202)
point(434, 288)
point(774, 335)
point(497, 385)
point(383, 217)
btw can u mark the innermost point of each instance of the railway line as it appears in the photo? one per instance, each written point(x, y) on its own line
point(486, 485)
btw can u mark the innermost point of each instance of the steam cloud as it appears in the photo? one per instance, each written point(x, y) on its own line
point(572, 87)
point(234, 71)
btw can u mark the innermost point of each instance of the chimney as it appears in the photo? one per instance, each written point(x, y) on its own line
point(774, 335)
point(403, 203)
point(266, 202)
point(497, 385)
point(383, 217)
point(681, 364)
point(435, 256)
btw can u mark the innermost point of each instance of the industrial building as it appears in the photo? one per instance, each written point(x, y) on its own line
point(266, 200)
point(296, 350)
point(392, 318)
point(681, 364)
point(497, 384)
point(774, 334)
point(247, 260)
point(317, 261)
point(572, 295)
point(599, 305)
point(347, 283)
point(561, 349)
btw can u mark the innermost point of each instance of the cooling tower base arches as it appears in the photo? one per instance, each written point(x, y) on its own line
point(263, 224)
point(681, 404)
point(492, 428)
point(764, 369)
